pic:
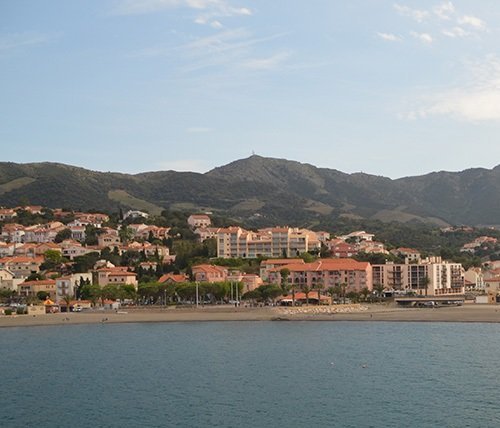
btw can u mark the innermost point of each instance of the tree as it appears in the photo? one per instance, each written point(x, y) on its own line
point(125, 234)
point(318, 286)
point(306, 289)
point(67, 299)
point(62, 235)
point(425, 281)
point(52, 259)
point(253, 295)
point(343, 286)
point(365, 292)
point(42, 295)
point(379, 289)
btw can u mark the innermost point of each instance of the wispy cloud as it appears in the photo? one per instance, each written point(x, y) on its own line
point(444, 10)
point(207, 10)
point(423, 37)
point(268, 63)
point(389, 37)
point(472, 21)
point(18, 40)
point(455, 32)
point(416, 14)
point(475, 99)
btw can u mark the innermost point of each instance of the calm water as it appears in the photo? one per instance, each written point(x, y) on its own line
point(267, 374)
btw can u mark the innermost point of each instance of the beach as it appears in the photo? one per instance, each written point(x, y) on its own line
point(373, 313)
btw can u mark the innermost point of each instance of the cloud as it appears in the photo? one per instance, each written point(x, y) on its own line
point(208, 9)
point(475, 99)
point(444, 11)
point(417, 15)
point(423, 37)
point(389, 37)
point(17, 40)
point(269, 63)
point(186, 165)
point(455, 32)
point(473, 21)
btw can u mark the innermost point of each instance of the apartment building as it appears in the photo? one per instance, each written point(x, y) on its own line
point(431, 276)
point(326, 273)
point(271, 242)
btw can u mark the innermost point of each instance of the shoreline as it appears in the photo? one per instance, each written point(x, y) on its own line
point(366, 313)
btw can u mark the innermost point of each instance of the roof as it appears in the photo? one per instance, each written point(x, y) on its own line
point(326, 265)
point(21, 259)
point(210, 269)
point(40, 282)
point(281, 261)
point(173, 277)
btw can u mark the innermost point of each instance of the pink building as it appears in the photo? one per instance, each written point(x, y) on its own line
point(327, 273)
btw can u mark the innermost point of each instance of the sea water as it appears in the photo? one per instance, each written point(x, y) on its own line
point(251, 374)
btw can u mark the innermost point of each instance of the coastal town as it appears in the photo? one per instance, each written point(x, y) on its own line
point(55, 260)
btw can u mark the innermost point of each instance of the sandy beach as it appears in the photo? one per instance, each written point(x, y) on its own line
point(372, 313)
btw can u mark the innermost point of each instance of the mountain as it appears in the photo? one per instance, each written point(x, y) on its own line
point(272, 190)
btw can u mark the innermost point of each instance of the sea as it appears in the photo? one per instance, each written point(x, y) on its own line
point(251, 374)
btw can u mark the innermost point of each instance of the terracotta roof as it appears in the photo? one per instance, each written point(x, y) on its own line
point(281, 261)
point(173, 277)
point(325, 265)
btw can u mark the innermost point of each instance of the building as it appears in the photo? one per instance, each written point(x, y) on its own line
point(171, 278)
point(325, 273)
point(199, 220)
point(31, 288)
point(209, 273)
point(267, 265)
point(233, 242)
point(116, 276)
point(21, 267)
point(67, 285)
point(135, 214)
point(431, 276)
point(341, 249)
point(7, 214)
point(410, 255)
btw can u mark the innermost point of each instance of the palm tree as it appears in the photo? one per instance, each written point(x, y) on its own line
point(379, 288)
point(343, 286)
point(425, 283)
point(67, 299)
point(306, 289)
point(318, 287)
point(331, 292)
point(365, 292)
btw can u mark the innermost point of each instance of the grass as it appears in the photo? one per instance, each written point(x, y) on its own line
point(15, 184)
point(128, 200)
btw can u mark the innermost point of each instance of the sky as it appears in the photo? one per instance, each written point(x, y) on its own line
point(392, 88)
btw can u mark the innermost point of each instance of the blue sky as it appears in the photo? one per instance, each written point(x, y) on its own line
point(391, 88)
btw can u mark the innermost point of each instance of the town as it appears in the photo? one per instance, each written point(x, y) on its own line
point(57, 260)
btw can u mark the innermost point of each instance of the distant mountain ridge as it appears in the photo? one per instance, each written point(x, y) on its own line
point(277, 190)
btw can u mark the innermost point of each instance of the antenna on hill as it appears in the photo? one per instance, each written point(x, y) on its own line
point(253, 152)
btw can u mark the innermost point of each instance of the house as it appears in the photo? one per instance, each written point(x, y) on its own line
point(21, 267)
point(340, 249)
point(209, 273)
point(108, 240)
point(116, 276)
point(71, 249)
point(410, 255)
point(135, 214)
point(171, 278)
point(67, 285)
point(7, 214)
point(205, 233)
point(199, 220)
point(31, 288)
point(8, 280)
point(7, 249)
point(358, 236)
point(41, 249)
point(12, 232)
